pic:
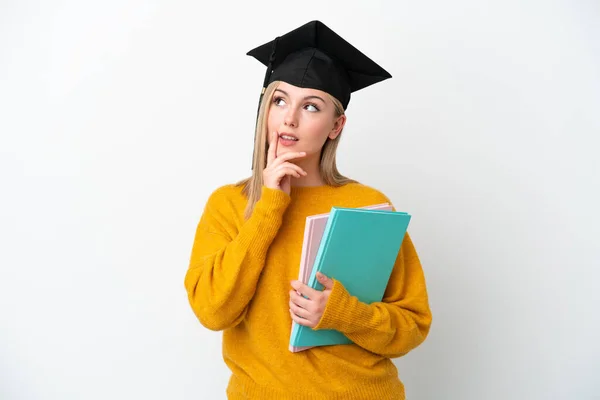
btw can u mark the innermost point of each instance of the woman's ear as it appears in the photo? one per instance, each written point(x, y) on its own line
point(338, 125)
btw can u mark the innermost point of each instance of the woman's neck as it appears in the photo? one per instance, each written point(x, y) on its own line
point(313, 177)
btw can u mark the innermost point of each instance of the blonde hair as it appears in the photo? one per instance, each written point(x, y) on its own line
point(327, 167)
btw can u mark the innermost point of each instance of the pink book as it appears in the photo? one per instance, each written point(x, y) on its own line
point(313, 232)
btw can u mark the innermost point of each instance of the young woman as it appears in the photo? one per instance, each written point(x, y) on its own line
point(242, 277)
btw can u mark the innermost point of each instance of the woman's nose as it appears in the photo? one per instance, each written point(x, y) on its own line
point(290, 118)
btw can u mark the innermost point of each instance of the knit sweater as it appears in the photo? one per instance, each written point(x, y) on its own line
point(238, 282)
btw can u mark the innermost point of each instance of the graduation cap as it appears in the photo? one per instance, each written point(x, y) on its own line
point(315, 57)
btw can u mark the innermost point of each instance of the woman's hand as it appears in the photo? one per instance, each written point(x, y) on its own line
point(279, 171)
point(308, 312)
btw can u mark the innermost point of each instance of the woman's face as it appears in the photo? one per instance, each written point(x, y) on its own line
point(303, 119)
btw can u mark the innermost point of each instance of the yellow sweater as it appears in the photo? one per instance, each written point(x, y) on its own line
point(239, 279)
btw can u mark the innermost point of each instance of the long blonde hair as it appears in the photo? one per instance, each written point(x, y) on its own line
point(327, 167)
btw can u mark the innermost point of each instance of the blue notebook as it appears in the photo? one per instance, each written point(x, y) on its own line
point(359, 248)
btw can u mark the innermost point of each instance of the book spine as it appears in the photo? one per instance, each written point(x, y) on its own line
point(312, 282)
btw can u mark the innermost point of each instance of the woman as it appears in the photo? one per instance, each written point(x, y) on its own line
point(243, 271)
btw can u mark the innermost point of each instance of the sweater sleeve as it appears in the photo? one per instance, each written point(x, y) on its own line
point(394, 326)
point(225, 265)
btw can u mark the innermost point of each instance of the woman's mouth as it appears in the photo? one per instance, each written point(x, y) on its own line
point(287, 139)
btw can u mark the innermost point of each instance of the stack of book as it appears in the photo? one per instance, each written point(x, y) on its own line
point(356, 246)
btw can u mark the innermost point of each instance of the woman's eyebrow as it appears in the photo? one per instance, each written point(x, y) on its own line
point(314, 97)
point(306, 98)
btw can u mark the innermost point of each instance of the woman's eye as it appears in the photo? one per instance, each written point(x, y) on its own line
point(278, 101)
point(311, 107)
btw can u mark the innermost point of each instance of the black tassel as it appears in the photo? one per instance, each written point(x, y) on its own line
point(265, 84)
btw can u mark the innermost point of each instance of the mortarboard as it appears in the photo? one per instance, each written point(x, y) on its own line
point(313, 56)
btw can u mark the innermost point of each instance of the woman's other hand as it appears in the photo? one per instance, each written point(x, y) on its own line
point(308, 311)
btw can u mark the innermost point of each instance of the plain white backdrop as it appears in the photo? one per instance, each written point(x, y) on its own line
point(119, 118)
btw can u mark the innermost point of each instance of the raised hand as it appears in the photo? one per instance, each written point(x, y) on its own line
point(279, 170)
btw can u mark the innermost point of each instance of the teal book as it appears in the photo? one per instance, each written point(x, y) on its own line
point(359, 248)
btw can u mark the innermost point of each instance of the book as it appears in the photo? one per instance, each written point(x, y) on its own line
point(358, 247)
point(313, 232)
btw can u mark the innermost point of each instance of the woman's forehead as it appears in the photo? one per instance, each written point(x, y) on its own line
point(300, 92)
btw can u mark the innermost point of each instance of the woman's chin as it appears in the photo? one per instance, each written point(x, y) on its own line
point(282, 151)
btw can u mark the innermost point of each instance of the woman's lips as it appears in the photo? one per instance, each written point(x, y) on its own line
point(287, 142)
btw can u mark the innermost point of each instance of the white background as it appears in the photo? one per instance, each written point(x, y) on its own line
point(119, 118)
